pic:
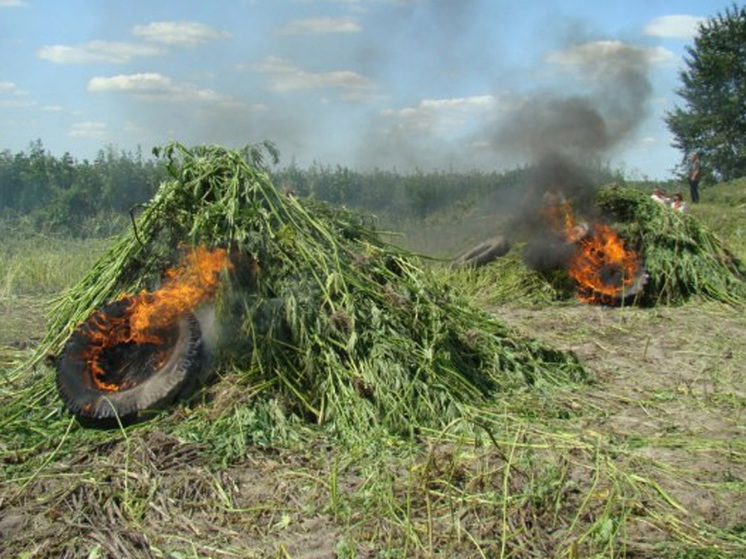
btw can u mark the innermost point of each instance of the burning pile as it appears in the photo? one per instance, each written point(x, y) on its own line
point(603, 269)
point(148, 314)
point(682, 258)
point(321, 320)
point(141, 351)
point(193, 281)
point(643, 252)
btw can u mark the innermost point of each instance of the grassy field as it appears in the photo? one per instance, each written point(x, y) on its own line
point(646, 460)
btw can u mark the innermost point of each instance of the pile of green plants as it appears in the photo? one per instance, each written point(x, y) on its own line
point(683, 258)
point(323, 321)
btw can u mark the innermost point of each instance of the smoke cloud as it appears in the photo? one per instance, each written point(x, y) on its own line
point(565, 137)
point(585, 126)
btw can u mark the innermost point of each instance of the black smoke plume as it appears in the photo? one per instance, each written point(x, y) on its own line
point(567, 137)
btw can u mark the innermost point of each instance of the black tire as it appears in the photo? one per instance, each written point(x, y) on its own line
point(140, 378)
point(612, 274)
point(483, 253)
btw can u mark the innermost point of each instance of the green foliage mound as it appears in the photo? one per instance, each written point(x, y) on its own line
point(323, 322)
point(682, 257)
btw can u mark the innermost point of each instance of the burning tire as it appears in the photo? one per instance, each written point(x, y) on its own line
point(129, 380)
point(483, 253)
point(617, 288)
point(604, 270)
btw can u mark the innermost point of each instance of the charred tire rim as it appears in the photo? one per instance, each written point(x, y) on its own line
point(612, 274)
point(148, 378)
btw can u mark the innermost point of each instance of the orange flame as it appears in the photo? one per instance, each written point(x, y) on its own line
point(192, 282)
point(189, 284)
point(603, 269)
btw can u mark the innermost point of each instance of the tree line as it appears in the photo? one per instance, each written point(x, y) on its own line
point(417, 194)
point(62, 194)
point(68, 196)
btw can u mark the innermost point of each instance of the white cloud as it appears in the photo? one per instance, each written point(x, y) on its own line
point(97, 51)
point(300, 80)
point(11, 3)
point(360, 6)
point(321, 25)
point(284, 77)
point(52, 108)
point(157, 87)
point(660, 55)
point(158, 34)
point(271, 64)
point(89, 130)
point(134, 128)
point(447, 117)
point(179, 33)
point(597, 59)
point(13, 97)
point(674, 26)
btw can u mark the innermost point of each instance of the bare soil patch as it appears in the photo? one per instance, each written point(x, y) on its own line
point(671, 388)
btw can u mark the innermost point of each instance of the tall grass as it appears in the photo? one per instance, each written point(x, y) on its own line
point(32, 264)
point(506, 281)
point(723, 208)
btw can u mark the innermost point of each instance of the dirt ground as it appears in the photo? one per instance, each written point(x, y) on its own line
point(669, 393)
point(673, 378)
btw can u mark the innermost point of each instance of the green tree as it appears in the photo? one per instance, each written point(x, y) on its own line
point(713, 118)
point(37, 177)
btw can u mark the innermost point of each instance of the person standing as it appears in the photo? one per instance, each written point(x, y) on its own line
point(693, 172)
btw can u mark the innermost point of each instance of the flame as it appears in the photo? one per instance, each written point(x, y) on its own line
point(603, 269)
point(194, 281)
point(147, 314)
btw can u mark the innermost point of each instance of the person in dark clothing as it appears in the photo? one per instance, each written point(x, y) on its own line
point(693, 172)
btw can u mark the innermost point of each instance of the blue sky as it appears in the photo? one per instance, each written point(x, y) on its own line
point(405, 84)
